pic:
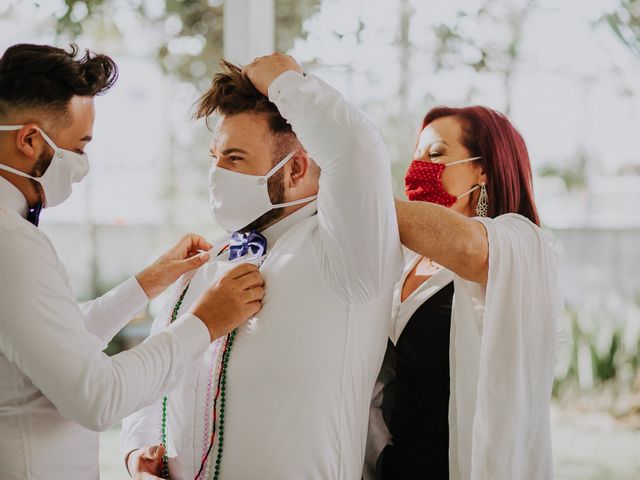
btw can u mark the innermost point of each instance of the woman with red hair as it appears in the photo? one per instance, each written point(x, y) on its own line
point(465, 388)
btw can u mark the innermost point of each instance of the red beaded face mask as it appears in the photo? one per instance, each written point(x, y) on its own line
point(423, 182)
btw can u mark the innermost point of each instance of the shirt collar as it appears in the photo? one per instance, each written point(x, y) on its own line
point(275, 231)
point(13, 198)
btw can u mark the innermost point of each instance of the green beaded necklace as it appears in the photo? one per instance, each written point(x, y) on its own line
point(221, 392)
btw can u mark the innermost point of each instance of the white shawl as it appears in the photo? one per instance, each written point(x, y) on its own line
point(502, 357)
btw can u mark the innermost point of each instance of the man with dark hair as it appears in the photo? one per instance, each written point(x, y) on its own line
point(302, 182)
point(56, 384)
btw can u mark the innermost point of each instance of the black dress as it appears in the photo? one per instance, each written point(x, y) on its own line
point(415, 404)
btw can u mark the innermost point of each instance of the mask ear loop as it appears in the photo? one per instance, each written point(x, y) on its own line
point(467, 193)
point(281, 164)
point(57, 151)
point(11, 128)
point(462, 161)
point(457, 162)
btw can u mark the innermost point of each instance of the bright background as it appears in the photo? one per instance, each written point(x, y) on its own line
point(566, 72)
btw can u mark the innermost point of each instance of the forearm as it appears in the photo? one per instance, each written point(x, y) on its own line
point(446, 237)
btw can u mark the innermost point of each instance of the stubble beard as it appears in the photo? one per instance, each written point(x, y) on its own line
point(275, 186)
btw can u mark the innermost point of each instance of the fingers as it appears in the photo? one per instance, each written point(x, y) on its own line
point(192, 242)
point(264, 70)
point(199, 259)
point(253, 308)
point(251, 280)
point(159, 452)
point(255, 294)
point(154, 452)
point(191, 263)
point(241, 270)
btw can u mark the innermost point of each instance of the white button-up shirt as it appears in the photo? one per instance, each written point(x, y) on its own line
point(301, 372)
point(57, 388)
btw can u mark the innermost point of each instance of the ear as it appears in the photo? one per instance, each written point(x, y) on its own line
point(299, 167)
point(481, 177)
point(27, 140)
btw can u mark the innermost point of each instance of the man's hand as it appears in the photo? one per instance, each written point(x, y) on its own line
point(146, 462)
point(232, 300)
point(182, 258)
point(264, 70)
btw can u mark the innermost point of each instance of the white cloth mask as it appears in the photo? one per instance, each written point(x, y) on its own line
point(237, 199)
point(65, 169)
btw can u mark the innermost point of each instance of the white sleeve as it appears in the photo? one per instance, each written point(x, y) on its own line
point(511, 435)
point(142, 428)
point(107, 315)
point(43, 333)
point(359, 237)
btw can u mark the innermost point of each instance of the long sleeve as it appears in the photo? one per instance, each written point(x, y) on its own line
point(43, 333)
point(359, 237)
point(107, 315)
point(142, 427)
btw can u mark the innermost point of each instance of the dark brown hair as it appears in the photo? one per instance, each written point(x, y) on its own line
point(232, 92)
point(45, 78)
point(489, 134)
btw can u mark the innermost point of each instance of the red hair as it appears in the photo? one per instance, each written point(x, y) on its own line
point(505, 160)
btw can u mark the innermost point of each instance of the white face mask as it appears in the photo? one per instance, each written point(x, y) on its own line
point(237, 199)
point(65, 169)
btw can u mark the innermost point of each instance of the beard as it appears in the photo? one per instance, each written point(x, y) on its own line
point(275, 186)
point(41, 166)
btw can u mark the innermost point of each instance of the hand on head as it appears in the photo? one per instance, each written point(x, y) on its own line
point(264, 70)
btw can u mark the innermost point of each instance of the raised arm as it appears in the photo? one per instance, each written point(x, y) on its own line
point(454, 241)
point(358, 228)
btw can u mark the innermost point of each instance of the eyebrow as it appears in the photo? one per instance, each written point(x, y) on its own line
point(439, 141)
point(229, 151)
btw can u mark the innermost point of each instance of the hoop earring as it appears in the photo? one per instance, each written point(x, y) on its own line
point(482, 208)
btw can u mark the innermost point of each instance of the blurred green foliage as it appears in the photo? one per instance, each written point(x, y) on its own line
point(196, 22)
point(600, 351)
point(624, 20)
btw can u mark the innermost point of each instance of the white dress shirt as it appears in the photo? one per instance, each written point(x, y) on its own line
point(302, 371)
point(57, 388)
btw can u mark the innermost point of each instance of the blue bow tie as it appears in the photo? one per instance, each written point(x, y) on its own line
point(243, 243)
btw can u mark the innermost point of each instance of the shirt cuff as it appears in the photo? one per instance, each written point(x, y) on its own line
point(285, 81)
point(133, 299)
point(192, 334)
